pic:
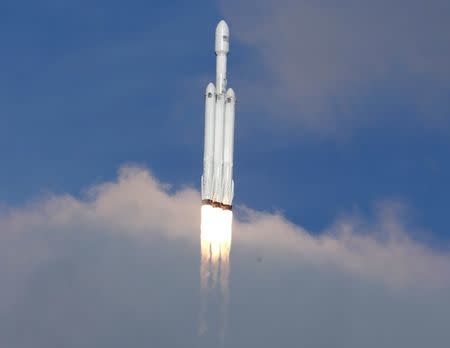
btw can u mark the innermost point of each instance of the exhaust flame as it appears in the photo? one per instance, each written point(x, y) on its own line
point(215, 239)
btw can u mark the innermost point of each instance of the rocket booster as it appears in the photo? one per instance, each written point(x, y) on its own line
point(217, 179)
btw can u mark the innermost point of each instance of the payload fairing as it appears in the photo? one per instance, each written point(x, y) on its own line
point(217, 179)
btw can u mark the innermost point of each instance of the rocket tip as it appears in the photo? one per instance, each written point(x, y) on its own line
point(230, 93)
point(210, 88)
point(222, 38)
point(222, 27)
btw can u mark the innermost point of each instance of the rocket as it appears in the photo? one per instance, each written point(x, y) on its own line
point(217, 180)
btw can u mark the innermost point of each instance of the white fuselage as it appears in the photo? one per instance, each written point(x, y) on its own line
point(217, 179)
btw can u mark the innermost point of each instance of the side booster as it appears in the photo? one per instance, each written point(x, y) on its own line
point(217, 179)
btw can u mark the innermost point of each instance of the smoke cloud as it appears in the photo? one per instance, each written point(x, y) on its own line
point(119, 266)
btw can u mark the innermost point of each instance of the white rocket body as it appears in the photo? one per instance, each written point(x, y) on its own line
point(217, 179)
point(218, 147)
point(208, 154)
point(228, 147)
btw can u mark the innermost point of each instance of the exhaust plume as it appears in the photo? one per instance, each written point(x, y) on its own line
point(215, 241)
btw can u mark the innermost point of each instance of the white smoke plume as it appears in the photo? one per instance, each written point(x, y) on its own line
point(118, 266)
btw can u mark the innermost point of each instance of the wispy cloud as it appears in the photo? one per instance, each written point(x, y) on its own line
point(325, 64)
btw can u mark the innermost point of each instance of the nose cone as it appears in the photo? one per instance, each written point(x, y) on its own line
point(222, 37)
point(230, 95)
point(222, 27)
point(210, 89)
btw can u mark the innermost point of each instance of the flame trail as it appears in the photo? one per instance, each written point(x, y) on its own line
point(215, 241)
point(225, 271)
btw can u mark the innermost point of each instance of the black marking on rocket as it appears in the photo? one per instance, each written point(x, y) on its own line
point(217, 204)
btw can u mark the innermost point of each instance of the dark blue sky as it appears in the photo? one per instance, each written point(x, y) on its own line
point(87, 86)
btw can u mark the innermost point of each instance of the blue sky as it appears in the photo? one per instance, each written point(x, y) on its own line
point(88, 86)
point(341, 172)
